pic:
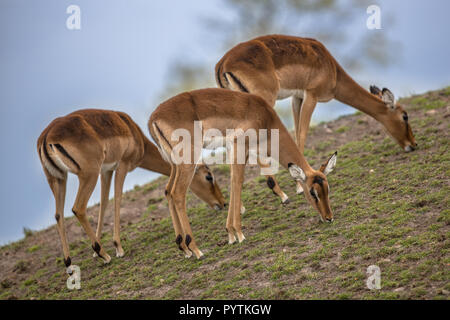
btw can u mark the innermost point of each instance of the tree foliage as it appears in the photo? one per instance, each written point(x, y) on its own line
point(339, 24)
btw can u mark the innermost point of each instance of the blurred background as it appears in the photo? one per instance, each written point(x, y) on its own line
point(131, 55)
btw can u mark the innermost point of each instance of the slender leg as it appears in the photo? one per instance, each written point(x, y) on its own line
point(230, 217)
point(306, 111)
point(85, 188)
point(273, 185)
point(119, 179)
point(237, 178)
point(179, 234)
point(183, 178)
point(58, 187)
point(105, 178)
point(296, 107)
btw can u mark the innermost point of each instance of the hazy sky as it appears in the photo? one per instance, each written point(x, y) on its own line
point(120, 60)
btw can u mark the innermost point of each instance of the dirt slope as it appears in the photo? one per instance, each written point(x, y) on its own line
point(391, 209)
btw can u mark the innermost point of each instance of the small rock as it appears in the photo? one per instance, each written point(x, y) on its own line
point(446, 292)
point(399, 289)
point(431, 112)
point(371, 171)
point(328, 130)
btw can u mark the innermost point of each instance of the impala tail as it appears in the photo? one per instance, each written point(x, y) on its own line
point(220, 77)
point(55, 158)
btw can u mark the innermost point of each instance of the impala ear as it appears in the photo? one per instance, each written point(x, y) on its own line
point(328, 166)
point(375, 90)
point(297, 172)
point(388, 97)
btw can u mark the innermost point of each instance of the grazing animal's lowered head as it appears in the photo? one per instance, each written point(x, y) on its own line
point(396, 121)
point(316, 186)
point(205, 186)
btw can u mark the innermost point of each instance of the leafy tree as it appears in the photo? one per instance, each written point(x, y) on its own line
point(340, 25)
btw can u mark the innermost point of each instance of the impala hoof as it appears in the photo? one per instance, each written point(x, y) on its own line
point(199, 255)
point(120, 253)
point(231, 239)
point(106, 259)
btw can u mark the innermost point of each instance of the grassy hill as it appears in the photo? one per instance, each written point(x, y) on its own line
point(391, 209)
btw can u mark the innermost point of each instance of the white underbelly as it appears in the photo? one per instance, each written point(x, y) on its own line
point(286, 93)
point(109, 166)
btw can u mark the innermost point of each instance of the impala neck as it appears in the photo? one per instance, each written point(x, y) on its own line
point(152, 159)
point(289, 152)
point(351, 93)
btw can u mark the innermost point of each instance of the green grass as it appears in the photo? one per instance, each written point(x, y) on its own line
point(392, 213)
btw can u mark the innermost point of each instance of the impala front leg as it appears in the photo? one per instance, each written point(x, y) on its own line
point(273, 184)
point(119, 179)
point(237, 179)
point(105, 178)
point(230, 217)
point(306, 110)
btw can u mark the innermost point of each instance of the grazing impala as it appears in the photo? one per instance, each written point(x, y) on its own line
point(277, 67)
point(92, 142)
point(220, 110)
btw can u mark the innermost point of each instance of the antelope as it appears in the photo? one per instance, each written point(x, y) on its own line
point(276, 67)
point(221, 109)
point(91, 142)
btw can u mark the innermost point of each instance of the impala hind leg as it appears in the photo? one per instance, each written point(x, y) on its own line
point(266, 87)
point(183, 178)
point(179, 234)
point(58, 187)
point(85, 189)
point(105, 178)
point(119, 179)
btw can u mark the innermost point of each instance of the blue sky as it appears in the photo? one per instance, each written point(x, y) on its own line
point(120, 60)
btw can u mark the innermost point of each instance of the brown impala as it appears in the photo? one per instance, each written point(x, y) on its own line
point(221, 109)
point(278, 66)
point(89, 143)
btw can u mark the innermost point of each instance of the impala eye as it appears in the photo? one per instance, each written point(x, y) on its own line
point(209, 178)
point(405, 117)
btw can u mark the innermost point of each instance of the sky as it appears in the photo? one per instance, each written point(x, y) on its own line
point(120, 59)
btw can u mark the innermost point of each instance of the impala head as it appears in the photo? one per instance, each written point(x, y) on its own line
point(315, 186)
point(205, 186)
point(396, 122)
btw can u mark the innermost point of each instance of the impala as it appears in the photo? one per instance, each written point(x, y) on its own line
point(278, 66)
point(220, 109)
point(89, 143)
